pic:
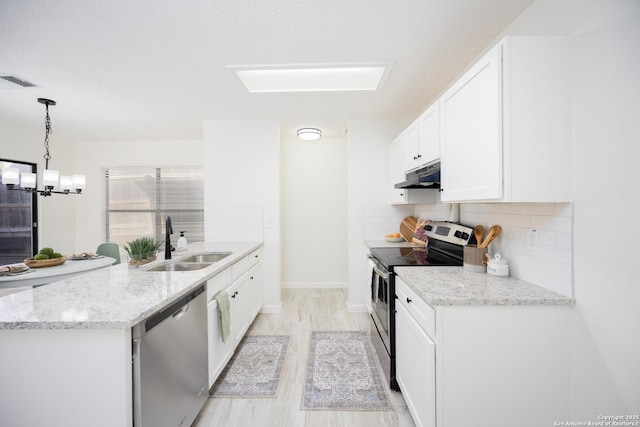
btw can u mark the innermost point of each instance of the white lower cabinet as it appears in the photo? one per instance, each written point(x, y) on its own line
point(219, 351)
point(239, 301)
point(242, 282)
point(479, 365)
point(255, 277)
point(415, 367)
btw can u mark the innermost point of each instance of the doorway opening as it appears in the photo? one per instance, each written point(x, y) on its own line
point(18, 219)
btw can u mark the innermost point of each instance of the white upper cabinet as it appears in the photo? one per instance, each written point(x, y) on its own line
point(505, 125)
point(471, 131)
point(412, 136)
point(423, 138)
point(430, 134)
point(398, 166)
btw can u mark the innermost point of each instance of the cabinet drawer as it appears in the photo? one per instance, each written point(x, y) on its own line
point(422, 312)
point(254, 257)
point(218, 282)
point(239, 268)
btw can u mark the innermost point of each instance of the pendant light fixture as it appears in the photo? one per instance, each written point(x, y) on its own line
point(52, 182)
point(309, 134)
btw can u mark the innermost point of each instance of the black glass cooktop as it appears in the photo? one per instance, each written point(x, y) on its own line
point(418, 256)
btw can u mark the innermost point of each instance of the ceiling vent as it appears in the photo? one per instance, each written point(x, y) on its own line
point(9, 81)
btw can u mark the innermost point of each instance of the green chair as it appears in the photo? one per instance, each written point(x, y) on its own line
point(111, 250)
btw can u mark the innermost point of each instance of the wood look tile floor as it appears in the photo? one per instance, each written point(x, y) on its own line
point(303, 311)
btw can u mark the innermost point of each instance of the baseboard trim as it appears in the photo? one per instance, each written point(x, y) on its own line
point(311, 285)
point(271, 309)
point(357, 308)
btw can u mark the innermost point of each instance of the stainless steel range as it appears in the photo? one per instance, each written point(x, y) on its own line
point(444, 247)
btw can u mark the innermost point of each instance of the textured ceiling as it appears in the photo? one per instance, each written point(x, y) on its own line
point(155, 69)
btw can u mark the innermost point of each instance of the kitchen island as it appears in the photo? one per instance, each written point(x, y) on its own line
point(65, 348)
point(43, 276)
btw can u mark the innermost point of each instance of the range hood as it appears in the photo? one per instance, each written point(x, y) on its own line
point(427, 176)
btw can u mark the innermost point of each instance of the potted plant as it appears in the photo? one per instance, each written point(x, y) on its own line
point(142, 250)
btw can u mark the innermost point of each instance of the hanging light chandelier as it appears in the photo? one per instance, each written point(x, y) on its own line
point(52, 182)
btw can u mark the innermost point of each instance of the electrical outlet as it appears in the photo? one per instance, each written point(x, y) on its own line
point(268, 222)
point(532, 240)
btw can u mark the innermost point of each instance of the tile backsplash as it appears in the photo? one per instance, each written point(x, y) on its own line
point(380, 220)
point(547, 263)
point(233, 223)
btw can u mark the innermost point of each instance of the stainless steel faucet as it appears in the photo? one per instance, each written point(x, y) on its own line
point(167, 241)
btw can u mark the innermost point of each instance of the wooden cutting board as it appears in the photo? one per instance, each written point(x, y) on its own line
point(408, 227)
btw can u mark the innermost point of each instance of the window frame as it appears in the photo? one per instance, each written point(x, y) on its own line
point(34, 204)
point(158, 211)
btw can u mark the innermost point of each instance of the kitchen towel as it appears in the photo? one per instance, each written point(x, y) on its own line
point(224, 315)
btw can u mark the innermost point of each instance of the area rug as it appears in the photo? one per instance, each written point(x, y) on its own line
point(342, 374)
point(254, 370)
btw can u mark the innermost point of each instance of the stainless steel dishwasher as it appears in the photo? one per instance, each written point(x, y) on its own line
point(170, 371)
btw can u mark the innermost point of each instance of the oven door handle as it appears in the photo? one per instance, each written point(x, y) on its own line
point(383, 274)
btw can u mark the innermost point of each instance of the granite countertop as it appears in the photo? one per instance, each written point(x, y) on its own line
point(116, 297)
point(451, 286)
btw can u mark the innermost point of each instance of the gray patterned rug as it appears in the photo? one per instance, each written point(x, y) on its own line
point(342, 374)
point(254, 370)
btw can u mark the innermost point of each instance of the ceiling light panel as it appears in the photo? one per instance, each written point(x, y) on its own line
point(11, 81)
point(310, 78)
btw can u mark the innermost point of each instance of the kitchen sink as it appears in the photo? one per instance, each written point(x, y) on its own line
point(206, 257)
point(181, 266)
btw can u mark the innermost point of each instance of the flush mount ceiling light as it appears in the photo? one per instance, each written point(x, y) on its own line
point(309, 134)
point(51, 179)
point(312, 78)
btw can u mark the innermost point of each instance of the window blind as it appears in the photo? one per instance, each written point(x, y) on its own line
point(138, 200)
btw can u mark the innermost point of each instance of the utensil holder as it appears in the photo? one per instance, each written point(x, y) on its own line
point(474, 259)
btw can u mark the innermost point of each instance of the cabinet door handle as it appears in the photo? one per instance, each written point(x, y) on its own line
point(251, 278)
point(408, 300)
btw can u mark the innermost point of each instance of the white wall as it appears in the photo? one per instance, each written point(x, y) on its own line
point(242, 191)
point(368, 193)
point(314, 213)
point(606, 324)
point(92, 157)
point(605, 346)
point(56, 214)
point(605, 327)
point(76, 223)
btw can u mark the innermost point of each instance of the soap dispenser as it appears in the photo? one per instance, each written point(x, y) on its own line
point(182, 241)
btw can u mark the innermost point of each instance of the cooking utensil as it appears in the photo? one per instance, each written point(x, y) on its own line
point(408, 227)
point(478, 231)
point(494, 231)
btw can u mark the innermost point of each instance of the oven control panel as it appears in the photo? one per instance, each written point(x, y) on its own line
point(450, 232)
